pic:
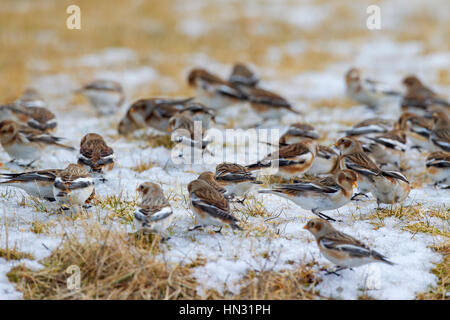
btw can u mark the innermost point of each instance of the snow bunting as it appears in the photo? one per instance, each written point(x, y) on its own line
point(242, 75)
point(30, 110)
point(210, 206)
point(236, 179)
point(365, 91)
point(36, 183)
point(154, 113)
point(73, 186)
point(26, 144)
point(388, 148)
point(154, 213)
point(187, 132)
point(324, 162)
point(341, 249)
point(418, 97)
point(290, 161)
point(417, 129)
point(30, 99)
point(106, 96)
point(320, 194)
point(370, 127)
point(38, 118)
point(209, 178)
point(268, 105)
point(199, 112)
point(438, 168)
point(297, 132)
point(95, 153)
point(440, 134)
point(354, 158)
point(41, 119)
point(390, 187)
point(213, 91)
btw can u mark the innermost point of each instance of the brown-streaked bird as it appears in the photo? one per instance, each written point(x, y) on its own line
point(95, 154)
point(417, 129)
point(199, 112)
point(440, 133)
point(242, 75)
point(235, 178)
point(340, 248)
point(30, 110)
point(297, 132)
point(365, 91)
point(268, 105)
point(213, 91)
point(210, 206)
point(438, 168)
point(353, 157)
point(418, 97)
point(154, 213)
point(289, 161)
point(319, 195)
point(73, 186)
point(209, 178)
point(151, 113)
point(188, 133)
point(370, 127)
point(36, 183)
point(390, 188)
point(106, 96)
point(324, 162)
point(388, 148)
point(26, 143)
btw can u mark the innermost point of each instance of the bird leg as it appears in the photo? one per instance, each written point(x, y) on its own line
point(335, 271)
point(164, 239)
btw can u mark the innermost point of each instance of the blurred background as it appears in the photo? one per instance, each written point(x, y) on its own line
point(300, 48)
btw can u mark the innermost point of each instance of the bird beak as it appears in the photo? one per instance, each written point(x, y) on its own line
point(336, 144)
point(306, 227)
point(169, 129)
point(354, 184)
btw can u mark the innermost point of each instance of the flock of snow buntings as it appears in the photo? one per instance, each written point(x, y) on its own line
point(368, 157)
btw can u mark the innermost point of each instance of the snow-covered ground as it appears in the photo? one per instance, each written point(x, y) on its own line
point(265, 245)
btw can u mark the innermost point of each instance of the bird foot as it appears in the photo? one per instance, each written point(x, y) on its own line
point(335, 272)
point(164, 239)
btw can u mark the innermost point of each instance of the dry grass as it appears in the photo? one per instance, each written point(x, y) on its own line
point(114, 265)
point(414, 218)
point(123, 268)
point(163, 140)
point(111, 267)
point(143, 166)
point(14, 254)
point(254, 208)
point(442, 271)
point(41, 227)
point(119, 207)
point(284, 285)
